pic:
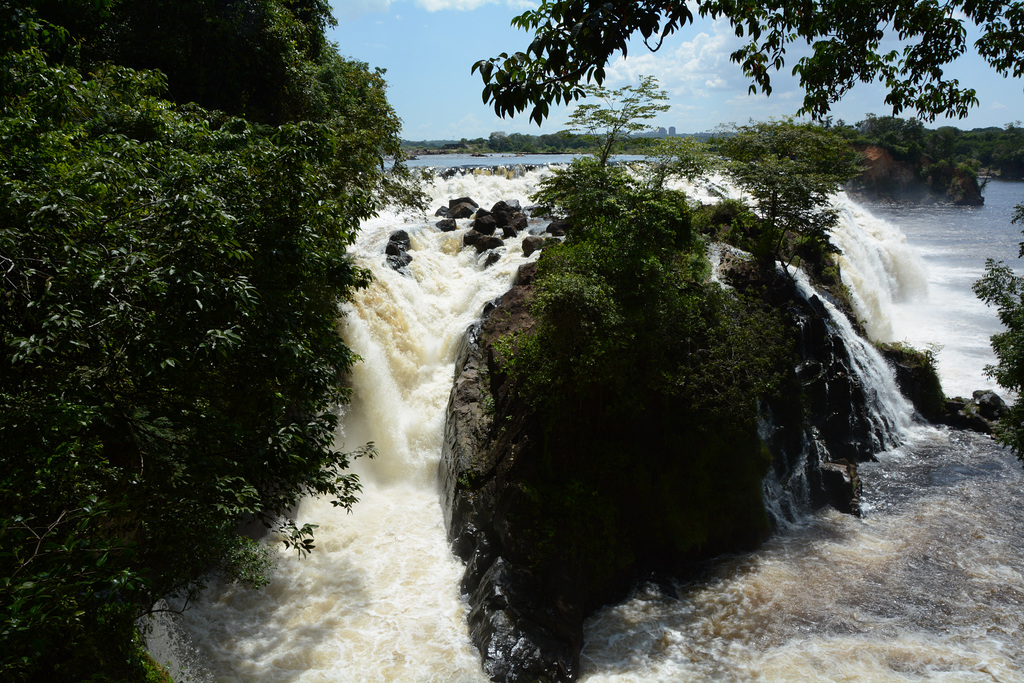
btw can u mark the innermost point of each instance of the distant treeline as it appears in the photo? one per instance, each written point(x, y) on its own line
point(989, 151)
point(520, 143)
point(994, 151)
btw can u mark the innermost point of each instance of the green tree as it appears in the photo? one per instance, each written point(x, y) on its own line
point(574, 40)
point(168, 317)
point(1002, 288)
point(625, 111)
point(790, 170)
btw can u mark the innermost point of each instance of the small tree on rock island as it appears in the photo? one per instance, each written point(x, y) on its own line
point(626, 111)
point(790, 170)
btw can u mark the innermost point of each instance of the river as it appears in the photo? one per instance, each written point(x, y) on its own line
point(926, 585)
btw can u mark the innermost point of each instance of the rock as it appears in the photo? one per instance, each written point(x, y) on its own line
point(537, 562)
point(399, 261)
point(990, 406)
point(481, 242)
point(397, 250)
point(963, 413)
point(492, 258)
point(510, 220)
point(534, 243)
point(400, 239)
point(486, 224)
point(442, 212)
point(917, 380)
point(462, 210)
point(886, 178)
point(525, 637)
point(472, 237)
point(447, 225)
point(452, 203)
point(488, 242)
point(558, 228)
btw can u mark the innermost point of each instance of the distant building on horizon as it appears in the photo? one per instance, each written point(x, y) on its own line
point(671, 130)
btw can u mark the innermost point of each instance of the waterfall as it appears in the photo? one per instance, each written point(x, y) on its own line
point(378, 600)
point(890, 413)
point(878, 267)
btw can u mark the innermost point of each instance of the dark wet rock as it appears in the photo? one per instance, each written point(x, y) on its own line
point(442, 212)
point(488, 242)
point(447, 225)
point(400, 241)
point(481, 242)
point(534, 243)
point(452, 203)
point(485, 225)
point(917, 380)
point(462, 210)
point(397, 250)
point(558, 228)
point(526, 637)
point(492, 257)
point(472, 237)
point(980, 413)
point(990, 405)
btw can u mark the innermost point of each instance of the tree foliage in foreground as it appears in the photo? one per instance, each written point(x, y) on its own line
point(171, 282)
point(575, 39)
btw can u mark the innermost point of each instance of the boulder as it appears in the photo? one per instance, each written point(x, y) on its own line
point(534, 243)
point(442, 212)
point(990, 406)
point(558, 228)
point(399, 240)
point(481, 242)
point(452, 203)
point(399, 261)
point(488, 242)
point(472, 237)
point(447, 224)
point(397, 250)
point(462, 210)
point(485, 225)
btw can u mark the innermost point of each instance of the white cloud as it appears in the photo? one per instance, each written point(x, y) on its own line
point(694, 68)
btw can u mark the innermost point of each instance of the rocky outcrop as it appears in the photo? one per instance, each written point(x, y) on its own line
point(917, 379)
point(527, 586)
point(886, 178)
point(980, 413)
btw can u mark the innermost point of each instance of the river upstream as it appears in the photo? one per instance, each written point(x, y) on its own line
point(926, 586)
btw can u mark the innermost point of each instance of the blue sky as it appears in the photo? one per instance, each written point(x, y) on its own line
point(429, 46)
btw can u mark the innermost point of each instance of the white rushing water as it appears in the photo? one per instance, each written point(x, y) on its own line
point(927, 586)
point(910, 270)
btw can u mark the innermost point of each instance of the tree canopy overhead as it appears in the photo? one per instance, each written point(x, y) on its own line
point(575, 39)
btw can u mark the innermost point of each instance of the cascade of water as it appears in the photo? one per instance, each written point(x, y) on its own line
point(878, 267)
point(378, 599)
point(890, 413)
point(381, 590)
